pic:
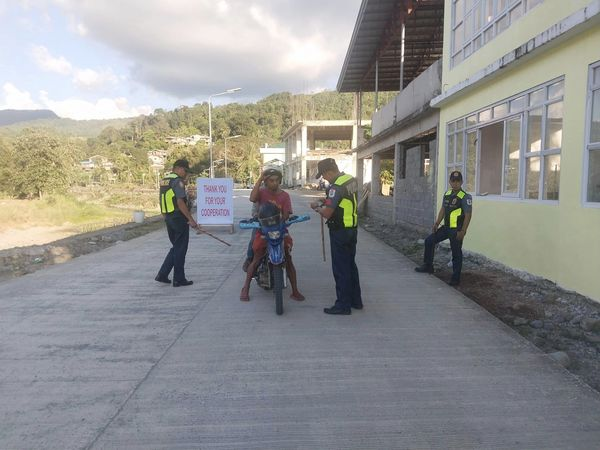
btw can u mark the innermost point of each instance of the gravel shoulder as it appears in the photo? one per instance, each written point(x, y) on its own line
point(19, 261)
point(559, 322)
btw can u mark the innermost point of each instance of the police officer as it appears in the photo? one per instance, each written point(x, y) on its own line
point(173, 205)
point(456, 212)
point(340, 210)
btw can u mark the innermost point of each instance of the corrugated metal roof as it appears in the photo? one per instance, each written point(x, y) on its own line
point(378, 35)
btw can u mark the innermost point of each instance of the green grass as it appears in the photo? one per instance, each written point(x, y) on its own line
point(83, 207)
point(56, 211)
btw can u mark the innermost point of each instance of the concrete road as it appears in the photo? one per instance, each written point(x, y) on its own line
point(95, 354)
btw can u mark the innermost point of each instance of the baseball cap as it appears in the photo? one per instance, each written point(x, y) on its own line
point(456, 176)
point(271, 172)
point(325, 165)
point(183, 163)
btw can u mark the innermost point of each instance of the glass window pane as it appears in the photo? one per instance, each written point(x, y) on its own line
point(458, 37)
point(472, 120)
point(500, 110)
point(460, 124)
point(458, 11)
point(595, 119)
point(551, 177)
point(458, 58)
point(489, 10)
point(593, 185)
point(451, 127)
point(554, 125)
point(471, 158)
point(537, 97)
point(459, 147)
point(476, 43)
point(597, 76)
point(477, 17)
point(556, 90)
point(512, 156)
point(502, 24)
point(468, 27)
point(488, 35)
point(502, 5)
point(534, 130)
point(486, 115)
point(451, 140)
point(515, 13)
point(467, 51)
point(517, 104)
point(532, 183)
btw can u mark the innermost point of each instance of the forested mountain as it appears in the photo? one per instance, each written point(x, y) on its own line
point(126, 143)
point(10, 116)
point(69, 127)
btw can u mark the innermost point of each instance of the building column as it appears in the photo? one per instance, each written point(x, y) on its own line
point(304, 153)
point(360, 166)
point(398, 155)
point(375, 170)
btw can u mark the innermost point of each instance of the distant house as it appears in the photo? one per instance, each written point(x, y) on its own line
point(302, 153)
point(157, 158)
point(188, 140)
point(96, 161)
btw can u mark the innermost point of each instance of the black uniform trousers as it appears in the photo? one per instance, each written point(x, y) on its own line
point(179, 235)
point(440, 235)
point(345, 272)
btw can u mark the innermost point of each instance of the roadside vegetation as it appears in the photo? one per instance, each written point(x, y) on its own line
point(43, 180)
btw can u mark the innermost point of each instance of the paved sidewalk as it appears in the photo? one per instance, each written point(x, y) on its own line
point(95, 354)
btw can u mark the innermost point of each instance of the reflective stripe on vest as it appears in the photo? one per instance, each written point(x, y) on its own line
point(167, 205)
point(348, 203)
point(454, 215)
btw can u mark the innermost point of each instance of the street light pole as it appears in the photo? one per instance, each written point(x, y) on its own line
point(230, 137)
point(210, 144)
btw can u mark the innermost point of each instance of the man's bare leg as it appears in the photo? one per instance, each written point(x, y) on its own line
point(244, 295)
point(291, 273)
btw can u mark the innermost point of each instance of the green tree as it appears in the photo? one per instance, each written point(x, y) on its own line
point(42, 164)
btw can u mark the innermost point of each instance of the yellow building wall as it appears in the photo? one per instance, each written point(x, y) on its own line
point(560, 240)
point(537, 20)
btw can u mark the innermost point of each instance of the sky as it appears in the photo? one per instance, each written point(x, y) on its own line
point(100, 59)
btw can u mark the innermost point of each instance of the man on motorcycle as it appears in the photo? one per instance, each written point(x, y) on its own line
point(271, 193)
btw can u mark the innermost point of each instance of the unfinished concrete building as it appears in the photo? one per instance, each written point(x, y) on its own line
point(397, 46)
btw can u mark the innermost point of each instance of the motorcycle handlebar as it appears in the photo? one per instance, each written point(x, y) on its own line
point(248, 224)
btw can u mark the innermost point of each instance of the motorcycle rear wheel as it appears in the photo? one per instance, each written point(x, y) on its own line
point(278, 289)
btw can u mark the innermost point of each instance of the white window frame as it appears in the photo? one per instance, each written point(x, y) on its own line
point(489, 119)
point(589, 146)
point(467, 48)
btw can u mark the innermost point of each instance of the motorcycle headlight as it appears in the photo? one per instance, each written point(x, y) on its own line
point(274, 234)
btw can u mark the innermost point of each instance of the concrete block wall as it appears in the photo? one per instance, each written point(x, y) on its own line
point(381, 208)
point(415, 194)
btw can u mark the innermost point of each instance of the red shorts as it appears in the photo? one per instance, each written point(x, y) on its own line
point(260, 242)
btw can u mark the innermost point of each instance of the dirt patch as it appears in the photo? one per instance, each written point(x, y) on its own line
point(19, 261)
point(562, 323)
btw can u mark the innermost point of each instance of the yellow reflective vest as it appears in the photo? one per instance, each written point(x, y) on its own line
point(346, 213)
point(453, 209)
point(168, 202)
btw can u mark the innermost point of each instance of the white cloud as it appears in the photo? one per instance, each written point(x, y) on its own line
point(104, 108)
point(49, 63)
point(13, 98)
point(193, 48)
point(88, 79)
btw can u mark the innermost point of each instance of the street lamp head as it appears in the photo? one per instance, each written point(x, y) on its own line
point(229, 91)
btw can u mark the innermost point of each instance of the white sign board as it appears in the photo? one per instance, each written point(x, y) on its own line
point(214, 202)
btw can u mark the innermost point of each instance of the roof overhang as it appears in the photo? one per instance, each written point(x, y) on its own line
point(377, 41)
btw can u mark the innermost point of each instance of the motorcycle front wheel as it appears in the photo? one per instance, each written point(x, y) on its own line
point(278, 288)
